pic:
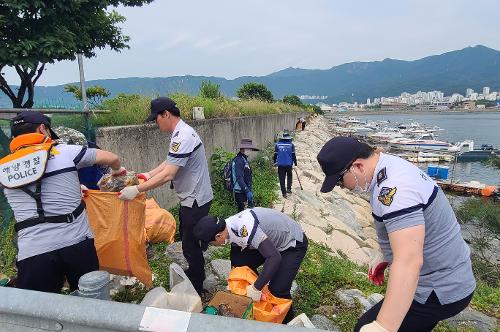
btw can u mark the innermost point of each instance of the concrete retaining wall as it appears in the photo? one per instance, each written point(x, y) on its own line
point(143, 147)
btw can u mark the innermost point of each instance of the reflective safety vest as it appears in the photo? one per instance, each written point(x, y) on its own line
point(25, 165)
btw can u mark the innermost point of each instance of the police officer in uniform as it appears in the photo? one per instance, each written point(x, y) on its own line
point(186, 166)
point(284, 158)
point(430, 276)
point(242, 175)
point(260, 236)
point(53, 235)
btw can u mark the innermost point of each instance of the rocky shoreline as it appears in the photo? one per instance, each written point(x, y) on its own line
point(339, 219)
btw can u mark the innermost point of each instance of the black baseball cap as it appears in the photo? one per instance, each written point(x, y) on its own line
point(161, 104)
point(207, 228)
point(33, 117)
point(335, 156)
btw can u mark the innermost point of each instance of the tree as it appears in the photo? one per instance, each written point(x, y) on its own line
point(95, 94)
point(34, 33)
point(292, 100)
point(210, 90)
point(255, 91)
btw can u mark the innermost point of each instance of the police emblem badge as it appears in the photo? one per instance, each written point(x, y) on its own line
point(386, 195)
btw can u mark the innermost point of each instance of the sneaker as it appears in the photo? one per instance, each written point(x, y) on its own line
point(289, 191)
point(284, 195)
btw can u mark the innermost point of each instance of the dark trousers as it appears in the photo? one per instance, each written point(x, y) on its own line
point(46, 272)
point(285, 171)
point(188, 217)
point(420, 317)
point(240, 199)
point(281, 283)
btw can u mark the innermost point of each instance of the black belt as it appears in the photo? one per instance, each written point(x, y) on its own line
point(64, 218)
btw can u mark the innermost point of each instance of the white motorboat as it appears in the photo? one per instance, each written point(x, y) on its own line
point(422, 143)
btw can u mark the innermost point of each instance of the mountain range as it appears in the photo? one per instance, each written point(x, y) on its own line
point(455, 71)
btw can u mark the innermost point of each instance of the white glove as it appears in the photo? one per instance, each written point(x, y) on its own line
point(373, 327)
point(129, 193)
point(254, 293)
point(84, 190)
point(119, 172)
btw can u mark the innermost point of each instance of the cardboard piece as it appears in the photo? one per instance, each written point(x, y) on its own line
point(239, 305)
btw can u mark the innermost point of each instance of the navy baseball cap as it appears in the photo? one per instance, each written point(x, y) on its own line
point(33, 117)
point(335, 156)
point(207, 228)
point(161, 104)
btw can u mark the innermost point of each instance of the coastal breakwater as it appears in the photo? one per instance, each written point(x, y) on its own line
point(143, 147)
point(339, 219)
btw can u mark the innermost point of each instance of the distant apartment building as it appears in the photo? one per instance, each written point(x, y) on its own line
point(486, 91)
point(469, 93)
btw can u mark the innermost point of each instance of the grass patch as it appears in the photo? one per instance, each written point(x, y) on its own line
point(320, 275)
point(8, 250)
point(494, 161)
point(487, 299)
point(130, 109)
point(221, 253)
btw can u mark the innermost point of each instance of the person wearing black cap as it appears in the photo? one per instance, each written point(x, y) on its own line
point(430, 276)
point(41, 184)
point(186, 166)
point(242, 175)
point(259, 236)
point(284, 157)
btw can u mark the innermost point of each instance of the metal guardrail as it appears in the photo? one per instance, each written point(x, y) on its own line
point(25, 310)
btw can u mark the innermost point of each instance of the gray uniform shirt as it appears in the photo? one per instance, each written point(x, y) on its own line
point(280, 229)
point(403, 196)
point(192, 180)
point(60, 195)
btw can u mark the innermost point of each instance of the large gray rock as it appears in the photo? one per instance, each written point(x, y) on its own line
point(323, 323)
point(294, 289)
point(211, 283)
point(349, 296)
point(174, 251)
point(221, 267)
point(471, 317)
point(375, 298)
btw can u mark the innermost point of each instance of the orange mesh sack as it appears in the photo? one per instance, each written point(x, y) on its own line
point(118, 228)
point(271, 308)
point(160, 224)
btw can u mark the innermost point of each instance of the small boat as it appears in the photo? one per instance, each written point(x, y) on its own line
point(427, 157)
point(386, 136)
point(468, 153)
point(469, 188)
point(424, 142)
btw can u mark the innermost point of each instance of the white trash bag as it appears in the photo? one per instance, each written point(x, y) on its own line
point(182, 295)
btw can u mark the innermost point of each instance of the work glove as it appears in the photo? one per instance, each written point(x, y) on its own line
point(373, 327)
point(128, 193)
point(119, 172)
point(144, 176)
point(84, 190)
point(376, 269)
point(253, 293)
point(250, 198)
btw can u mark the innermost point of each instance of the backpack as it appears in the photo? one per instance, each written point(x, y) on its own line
point(228, 175)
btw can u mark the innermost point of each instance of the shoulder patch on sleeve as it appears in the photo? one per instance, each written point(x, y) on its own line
point(386, 195)
point(176, 134)
point(175, 146)
point(381, 176)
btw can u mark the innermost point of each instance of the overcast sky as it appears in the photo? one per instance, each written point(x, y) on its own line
point(231, 38)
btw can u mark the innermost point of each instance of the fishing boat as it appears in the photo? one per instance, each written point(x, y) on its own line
point(468, 153)
point(427, 157)
point(386, 136)
point(422, 143)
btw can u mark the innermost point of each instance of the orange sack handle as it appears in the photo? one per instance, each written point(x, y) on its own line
point(270, 309)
